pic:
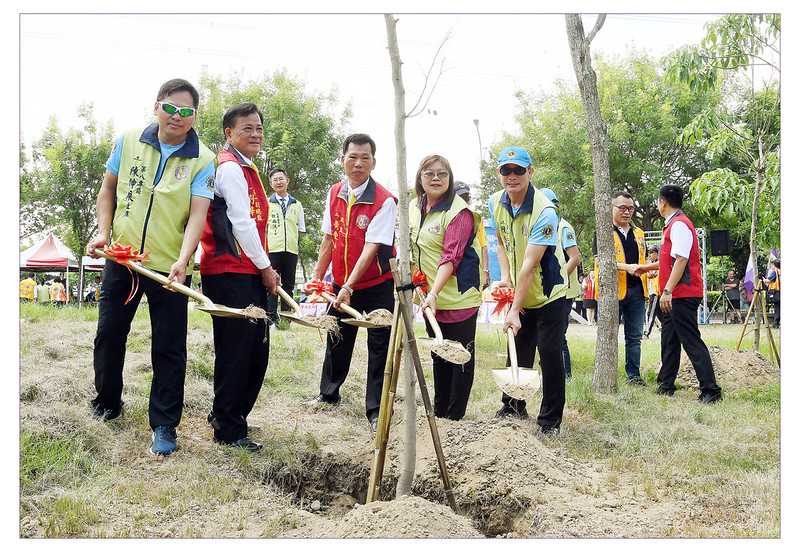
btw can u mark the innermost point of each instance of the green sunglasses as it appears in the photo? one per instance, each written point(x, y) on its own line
point(171, 109)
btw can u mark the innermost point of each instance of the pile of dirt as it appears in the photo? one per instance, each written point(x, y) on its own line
point(406, 517)
point(734, 370)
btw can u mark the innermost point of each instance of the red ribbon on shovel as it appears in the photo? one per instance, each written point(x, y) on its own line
point(124, 255)
point(318, 287)
point(504, 298)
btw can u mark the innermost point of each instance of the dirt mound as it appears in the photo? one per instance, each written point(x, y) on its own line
point(734, 370)
point(405, 517)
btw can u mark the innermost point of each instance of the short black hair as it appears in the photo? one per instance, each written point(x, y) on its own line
point(277, 170)
point(359, 139)
point(178, 85)
point(622, 193)
point(777, 263)
point(672, 194)
point(240, 110)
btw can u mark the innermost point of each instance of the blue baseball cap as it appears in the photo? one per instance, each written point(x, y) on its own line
point(517, 156)
point(461, 187)
point(551, 195)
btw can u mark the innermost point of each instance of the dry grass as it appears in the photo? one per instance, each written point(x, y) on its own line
point(80, 477)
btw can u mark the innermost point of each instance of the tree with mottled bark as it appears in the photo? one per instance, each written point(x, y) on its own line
point(606, 353)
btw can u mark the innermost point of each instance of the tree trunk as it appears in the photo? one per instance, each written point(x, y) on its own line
point(409, 456)
point(754, 256)
point(606, 352)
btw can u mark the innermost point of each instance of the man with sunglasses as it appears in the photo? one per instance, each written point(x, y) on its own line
point(631, 250)
point(532, 262)
point(155, 194)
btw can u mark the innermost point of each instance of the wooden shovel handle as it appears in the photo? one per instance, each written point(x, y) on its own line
point(437, 331)
point(290, 301)
point(345, 307)
point(512, 353)
point(185, 290)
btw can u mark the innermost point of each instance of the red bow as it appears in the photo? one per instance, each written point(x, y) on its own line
point(420, 281)
point(504, 297)
point(124, 254)
point(318, 287)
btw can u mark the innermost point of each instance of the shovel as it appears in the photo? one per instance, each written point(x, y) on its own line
point(296, 314)
point(205, 304)
point(379, 318)
point(449, 350)
point(514, 381)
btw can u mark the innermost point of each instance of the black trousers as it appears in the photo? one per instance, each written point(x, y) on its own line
point(339, 351)
point(679, 327)
point(241, 350)
point(285, 264)
point(543, 328)
point(453, 382)
point(168, 319)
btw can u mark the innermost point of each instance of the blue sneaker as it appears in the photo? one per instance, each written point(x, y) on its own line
point(165, 441)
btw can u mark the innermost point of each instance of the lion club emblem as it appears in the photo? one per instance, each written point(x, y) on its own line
point(435, 228)
point(547, 231)
point(182, 172)
point(362, 221)
point(524, 229)
point(511, 153)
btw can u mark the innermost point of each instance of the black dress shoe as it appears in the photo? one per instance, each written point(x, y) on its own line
point(663, 391)
point(246, 444)
point(510, 413)
point(708, 398)
point(319, 399)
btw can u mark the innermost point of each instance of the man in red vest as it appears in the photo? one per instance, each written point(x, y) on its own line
point(358, 241)
point(236, 272)
point(680, 278)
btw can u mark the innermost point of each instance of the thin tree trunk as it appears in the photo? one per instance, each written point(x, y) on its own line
point(409, 456)
point(753, 257)
point(606, 352)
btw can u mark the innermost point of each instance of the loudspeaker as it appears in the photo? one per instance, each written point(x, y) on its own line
point(720, 242)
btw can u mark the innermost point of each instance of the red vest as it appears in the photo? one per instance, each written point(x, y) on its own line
point(221, 252)
point(349, 230)
point(691, 282)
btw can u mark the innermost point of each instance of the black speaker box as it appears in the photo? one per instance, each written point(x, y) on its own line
point(720, 242)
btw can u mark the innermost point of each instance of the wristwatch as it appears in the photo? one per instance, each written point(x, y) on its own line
point(667, 291)
point(349, 289)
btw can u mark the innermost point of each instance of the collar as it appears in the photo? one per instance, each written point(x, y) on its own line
point(275, 198)
point(190, 147)
point(527, 203)
point(239, 155)
point(672, 216)
point(364, 193)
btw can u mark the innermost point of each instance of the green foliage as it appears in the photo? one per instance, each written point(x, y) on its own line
point(46, 459)
point(61, 181)
point(644, 117)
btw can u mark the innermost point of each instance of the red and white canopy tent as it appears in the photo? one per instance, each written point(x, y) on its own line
point(48, 255)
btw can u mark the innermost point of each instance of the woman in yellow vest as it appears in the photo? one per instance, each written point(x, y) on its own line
point(27, 287)
point(57, 294)
point(445, 249)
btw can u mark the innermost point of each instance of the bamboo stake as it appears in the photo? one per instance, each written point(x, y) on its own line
point(746, 320)
point(773, 348)
point(408, 322)
point(386, 409)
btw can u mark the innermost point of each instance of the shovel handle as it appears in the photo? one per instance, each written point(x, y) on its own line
point(345, 307)
point(437, 331)
point(185, 290)
point(290, 301)
point(512, 353)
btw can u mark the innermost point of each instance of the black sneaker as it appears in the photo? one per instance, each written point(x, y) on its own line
point(708, 398)
point(666, 392)
point(510, 413)
point(636, 380)
point(105, 415)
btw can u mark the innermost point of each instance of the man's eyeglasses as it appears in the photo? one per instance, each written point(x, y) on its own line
point(441, 174)
point(506, 170)
point(170, 109)
point(624, 208)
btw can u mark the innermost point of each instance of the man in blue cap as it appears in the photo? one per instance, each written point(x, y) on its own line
point(566, 236)
point(531, 262)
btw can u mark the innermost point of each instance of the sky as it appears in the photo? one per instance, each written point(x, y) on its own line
point(118, 61)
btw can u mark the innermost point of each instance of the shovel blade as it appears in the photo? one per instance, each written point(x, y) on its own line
point(529, 382)
point(302, 320)
point(220, 310)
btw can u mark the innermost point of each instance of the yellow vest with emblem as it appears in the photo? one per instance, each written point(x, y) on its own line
point(573, 285)
point(462, 289)
point(619, 251)
point(151, 216)
point(550, 277)
point(282, 232)
point(26, 289)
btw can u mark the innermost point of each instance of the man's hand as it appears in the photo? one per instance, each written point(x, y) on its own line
point(97, 243)
point(665, 303)
point(177, 274)
point(343, 297)
point(512, 321)
point(270, 279)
